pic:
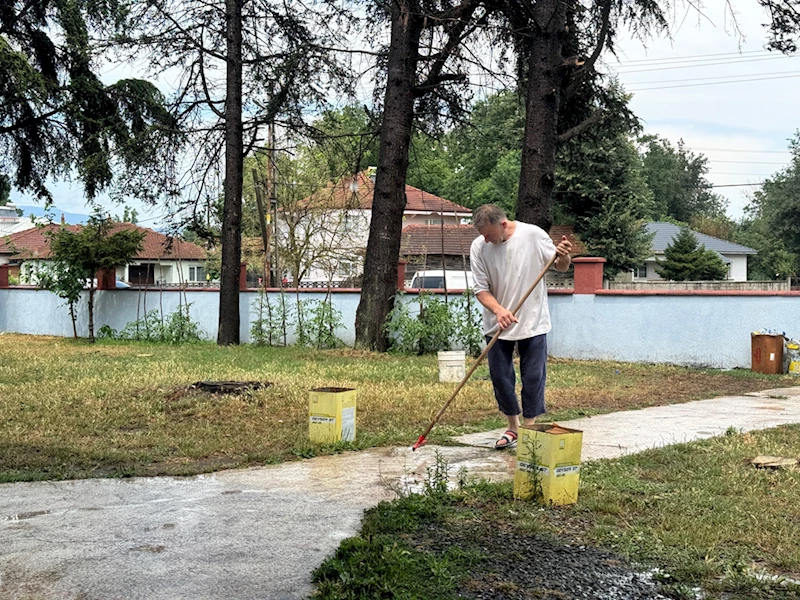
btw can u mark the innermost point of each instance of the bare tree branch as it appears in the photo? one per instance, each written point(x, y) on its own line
point(593, 119)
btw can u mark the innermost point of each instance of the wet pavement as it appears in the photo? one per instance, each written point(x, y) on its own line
point(616, 434)
point(258, 533)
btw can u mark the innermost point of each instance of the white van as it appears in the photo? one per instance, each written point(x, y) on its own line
point(435, 280)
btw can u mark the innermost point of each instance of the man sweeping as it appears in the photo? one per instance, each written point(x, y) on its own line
point(506, 259)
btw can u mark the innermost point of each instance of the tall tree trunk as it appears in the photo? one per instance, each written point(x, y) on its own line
point(545, 78)
point(74, 319)
point(228, 332)
point(389, 201)
point(91, 312)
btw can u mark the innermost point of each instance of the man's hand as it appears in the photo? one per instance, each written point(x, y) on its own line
point(504, 318)
point(564, 246)
point(563, 249)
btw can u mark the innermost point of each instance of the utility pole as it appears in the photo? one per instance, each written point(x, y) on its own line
point(264, 230)
point(273, 200)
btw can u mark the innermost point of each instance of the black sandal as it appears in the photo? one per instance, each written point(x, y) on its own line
point(507, 440)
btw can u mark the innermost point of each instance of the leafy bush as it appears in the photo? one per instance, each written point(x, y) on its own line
point(271, 319)
point(322, 324)
point(468, 332)
point(315, 324)
point(176, 328)
point(438, 326)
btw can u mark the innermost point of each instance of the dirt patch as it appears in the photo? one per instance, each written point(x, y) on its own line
point(525, 567)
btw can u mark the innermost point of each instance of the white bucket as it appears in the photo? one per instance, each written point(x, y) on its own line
point(451, 365)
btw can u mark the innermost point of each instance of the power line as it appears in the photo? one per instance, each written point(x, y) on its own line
point(693, 56)
point(737, 184)
point(741, 150)
point(667, 87)
point(704, 64)
point(717, 78)
point(746, 162)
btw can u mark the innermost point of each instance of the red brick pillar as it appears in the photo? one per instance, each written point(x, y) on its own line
point(107, 279)
point(243, 276)
point(401, 275)
point(588, 274)
point(4, 276)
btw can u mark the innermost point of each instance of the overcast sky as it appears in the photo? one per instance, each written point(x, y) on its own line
point(685, 92)
point(727, 98)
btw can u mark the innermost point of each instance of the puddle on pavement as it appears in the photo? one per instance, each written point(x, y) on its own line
point(378, 474)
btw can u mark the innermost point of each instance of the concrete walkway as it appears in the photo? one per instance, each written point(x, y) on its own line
point(258, 533)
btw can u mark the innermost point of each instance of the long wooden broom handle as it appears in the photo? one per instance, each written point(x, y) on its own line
point(483, 354)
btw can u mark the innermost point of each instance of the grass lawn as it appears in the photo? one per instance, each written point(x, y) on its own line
point(69, 409)
point(712, 524)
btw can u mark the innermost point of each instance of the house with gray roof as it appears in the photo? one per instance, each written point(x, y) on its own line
point(733, 255)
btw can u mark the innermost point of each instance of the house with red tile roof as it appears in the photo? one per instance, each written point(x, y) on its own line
point(336, 220)
point(162, 260)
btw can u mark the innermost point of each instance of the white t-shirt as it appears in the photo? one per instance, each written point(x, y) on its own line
point(507, 270)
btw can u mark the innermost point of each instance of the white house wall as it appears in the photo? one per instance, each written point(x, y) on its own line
point(169, 272)
point(354, 239)
point(432, 218)
point(738, 267)
point(342, 232)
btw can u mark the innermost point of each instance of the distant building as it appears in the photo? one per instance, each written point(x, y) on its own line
point(733, 255)
point(162, 260)
point(11, 222)
point(334, 223)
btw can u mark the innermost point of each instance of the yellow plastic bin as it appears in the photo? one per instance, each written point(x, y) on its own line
point(332, 415)
point(548, 464)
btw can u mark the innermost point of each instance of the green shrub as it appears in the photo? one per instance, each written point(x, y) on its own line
point(438, 326)
point(176, 328)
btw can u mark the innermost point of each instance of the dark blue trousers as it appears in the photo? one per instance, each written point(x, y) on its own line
point(533, 372)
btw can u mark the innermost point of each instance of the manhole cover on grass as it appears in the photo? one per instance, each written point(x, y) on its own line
point(229, 387)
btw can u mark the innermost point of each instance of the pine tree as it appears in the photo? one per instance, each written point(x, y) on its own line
point(685, 260)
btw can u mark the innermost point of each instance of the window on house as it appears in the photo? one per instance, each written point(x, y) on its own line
point(640, 272)
point(197, 274)
point(433, 221)
point(346, 269)
point(142, 274)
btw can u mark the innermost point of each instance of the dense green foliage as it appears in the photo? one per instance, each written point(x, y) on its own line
point(772, 225)
point(312, 323)
point(5, 189)
point(676, 177)
point(57, 117)
point(432, 324)
point(685, 260)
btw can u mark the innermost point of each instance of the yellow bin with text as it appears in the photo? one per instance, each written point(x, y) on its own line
point(548, 464)
point(332, 415)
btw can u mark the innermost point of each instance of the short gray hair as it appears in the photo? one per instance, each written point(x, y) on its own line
point(487, 214)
